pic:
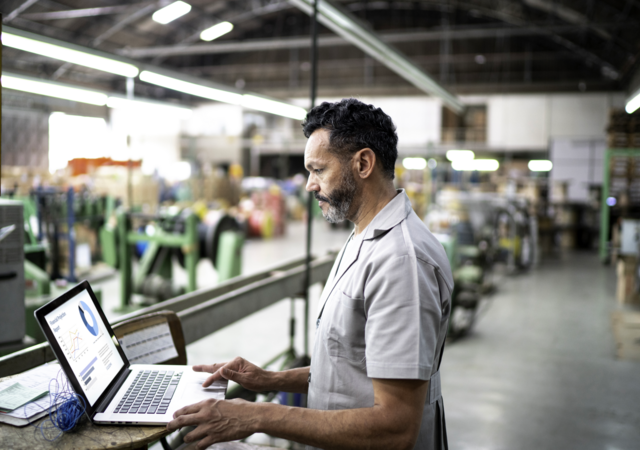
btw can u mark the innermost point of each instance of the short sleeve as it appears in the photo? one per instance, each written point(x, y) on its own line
point(404, 312)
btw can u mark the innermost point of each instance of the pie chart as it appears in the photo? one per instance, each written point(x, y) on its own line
point(88, 318)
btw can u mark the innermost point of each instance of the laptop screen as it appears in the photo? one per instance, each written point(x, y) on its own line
point(86, 344)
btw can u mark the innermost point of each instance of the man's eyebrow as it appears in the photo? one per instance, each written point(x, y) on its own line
point(310, 164)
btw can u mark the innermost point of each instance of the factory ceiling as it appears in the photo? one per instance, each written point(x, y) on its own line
point(468, 46)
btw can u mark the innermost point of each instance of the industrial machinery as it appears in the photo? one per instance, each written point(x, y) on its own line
point(477, 231)
point(12, 312)
point(515, 236)
point(180, 235)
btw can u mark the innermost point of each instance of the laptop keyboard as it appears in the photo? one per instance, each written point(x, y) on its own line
point(150, 392)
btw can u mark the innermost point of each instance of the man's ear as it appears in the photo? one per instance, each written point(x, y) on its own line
point(365, 162)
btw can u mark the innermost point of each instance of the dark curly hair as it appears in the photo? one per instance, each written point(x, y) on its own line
point(352, 126)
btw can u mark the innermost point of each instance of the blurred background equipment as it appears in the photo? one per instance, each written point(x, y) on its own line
point(161, 157)
point(12, 332)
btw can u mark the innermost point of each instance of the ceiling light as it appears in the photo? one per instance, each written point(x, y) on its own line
point(540, 165)
point(246, 100)
point(460, 155)
point(480, 165)
point(146, 106)
point(191, 88)
point(414, 163)
point(273, 107)
point(51, 89)
point(216, 31)
point(171, 12)
point(633, 104)
point(69, 55)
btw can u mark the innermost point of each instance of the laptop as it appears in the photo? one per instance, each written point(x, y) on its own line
point(115, 391)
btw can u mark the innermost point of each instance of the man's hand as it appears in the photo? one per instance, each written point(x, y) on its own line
point(215, 421)
point(239, 370)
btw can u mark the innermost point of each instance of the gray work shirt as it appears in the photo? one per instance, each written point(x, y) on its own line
point(384, 314)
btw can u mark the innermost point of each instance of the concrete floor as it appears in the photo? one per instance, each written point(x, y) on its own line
point(536, 372)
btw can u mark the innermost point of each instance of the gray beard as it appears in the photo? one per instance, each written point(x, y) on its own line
point(341, 199)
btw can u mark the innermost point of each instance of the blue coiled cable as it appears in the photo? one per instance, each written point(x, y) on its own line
point(65, 409)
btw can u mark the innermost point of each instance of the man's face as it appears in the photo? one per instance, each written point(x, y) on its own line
point(330, 179)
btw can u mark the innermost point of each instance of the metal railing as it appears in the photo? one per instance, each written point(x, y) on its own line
point(205, 311)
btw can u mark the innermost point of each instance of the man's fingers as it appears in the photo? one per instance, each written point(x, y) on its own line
point(189, 409)
point(212, 379)
point(211, 368)
point(184, 420)
point(195, 435)
point(206, 442)
point(231, 375)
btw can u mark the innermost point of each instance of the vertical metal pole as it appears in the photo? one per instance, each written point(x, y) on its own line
point(191, 257)
point(310, 197)
point(604, 209)
point(71, 235)
point(125, 261)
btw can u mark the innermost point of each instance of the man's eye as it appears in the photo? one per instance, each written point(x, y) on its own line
point(318, 171)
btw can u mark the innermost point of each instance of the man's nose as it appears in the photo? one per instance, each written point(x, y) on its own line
point(311, 184)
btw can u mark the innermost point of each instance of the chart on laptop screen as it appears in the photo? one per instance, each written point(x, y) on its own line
point(86, 344)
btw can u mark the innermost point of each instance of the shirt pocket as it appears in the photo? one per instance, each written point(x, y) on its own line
point(346, 331)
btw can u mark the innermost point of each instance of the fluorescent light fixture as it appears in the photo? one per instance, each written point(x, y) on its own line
point(414, 163)
point(216, 31)
point(460, 155)
point(191, 88)
point(480, 165)
point(145, 106)
point(171, 12)
point(246, 100)
point(273, 107)
point(633, 104)
point(540, 165)
point(50, 89)
point(69, 55)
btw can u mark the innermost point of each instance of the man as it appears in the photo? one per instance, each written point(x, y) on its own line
point(374, 376)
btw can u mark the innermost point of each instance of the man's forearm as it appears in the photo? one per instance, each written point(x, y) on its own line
point(366, 428)
point(292, 380)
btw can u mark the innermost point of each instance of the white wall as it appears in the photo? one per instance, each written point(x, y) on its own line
point(418, 119)
point(154, 137)
point(517, 122)
point(531, 121)
point(578, 162)
point(215, 130)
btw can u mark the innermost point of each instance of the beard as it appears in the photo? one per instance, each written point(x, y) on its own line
point(340, 199)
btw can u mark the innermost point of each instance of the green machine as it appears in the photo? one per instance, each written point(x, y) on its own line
point(608, 202)
point(469, 268)
point(161, 239)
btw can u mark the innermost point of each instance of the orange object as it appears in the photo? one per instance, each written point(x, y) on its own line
point(81, 166)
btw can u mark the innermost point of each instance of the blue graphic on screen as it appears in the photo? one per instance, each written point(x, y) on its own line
point(84, 311)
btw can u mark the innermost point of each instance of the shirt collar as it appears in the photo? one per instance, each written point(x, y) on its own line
point(391, 215)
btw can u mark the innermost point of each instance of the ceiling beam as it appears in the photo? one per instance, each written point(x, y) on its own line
point(255, 12)
point(16, 12)
point(76, 13)
point(344, 24)
point(259, 45)
point(129, 18)
point(568, 15)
